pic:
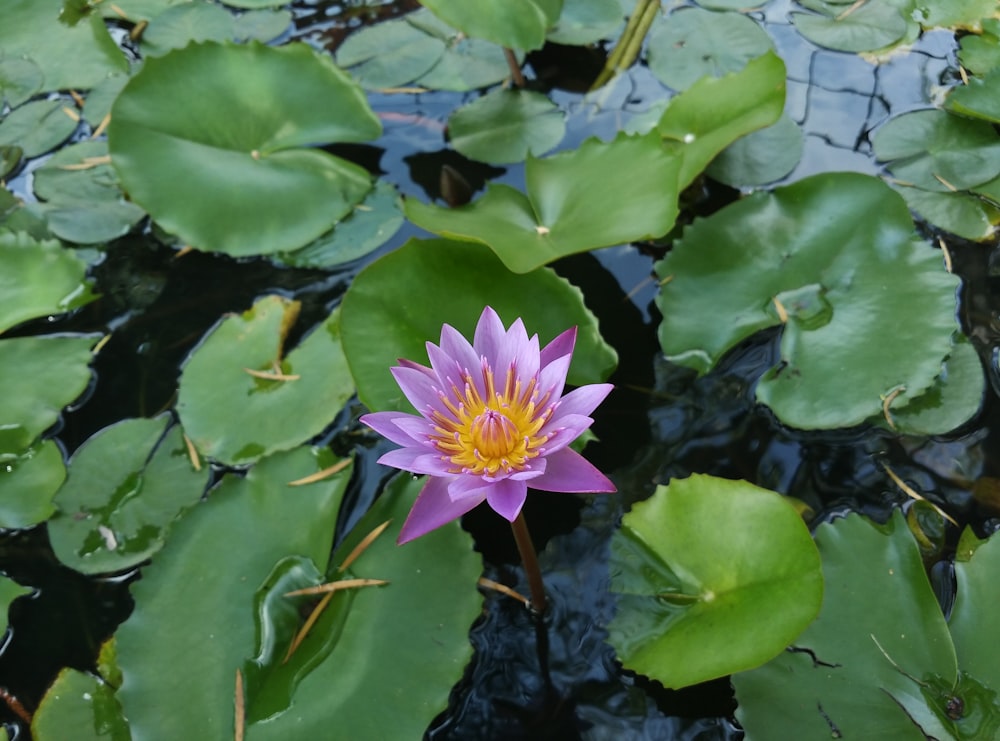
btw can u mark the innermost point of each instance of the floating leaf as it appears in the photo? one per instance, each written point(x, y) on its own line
point(504, 126)
point(99, 100)
point(978, 99)
point(178, 156)
point(692, 43)
point(38, 279)
point(515, 24)
point(390, 54)
point(937, 151)
point(974, 611)
point(180, 25)
point(451, 282)
point(261, 25)
point(74, 56)
point(38, 126)
point(137, 10)
point(28, 482)
point(241, 397)
point(959, 213)
point(866, 27)
point(956, 14)
point(85, 204)
point(193, 626)
point(760, 157)
point(127, 484)
point(712, 577)
point(878, 662)
point(373, 222)
point(981, 54)
point(569, 198)
point(10, 590)
point(706, 118)
point(79, 706)
point(584, 22)
point(853, 285)
point(19, 80)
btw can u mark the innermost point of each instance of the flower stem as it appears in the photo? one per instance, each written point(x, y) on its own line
point(517, 77)
point(530, 560)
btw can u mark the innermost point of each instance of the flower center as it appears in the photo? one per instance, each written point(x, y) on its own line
point(494, 435)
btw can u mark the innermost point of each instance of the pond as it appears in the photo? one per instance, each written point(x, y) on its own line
point(773, 228)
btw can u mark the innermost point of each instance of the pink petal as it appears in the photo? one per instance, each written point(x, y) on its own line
point(418, 388)
point(417, 366)
point(418, 428)
point(568, 471)
point(507, 497)
point(456, 347)
point(416, 460)
point(490, 334)
point(561, 431)
point(583, 400)
point(467, 485)
point(553, 376)
point(387, 424)
point(434, 508)
point(561, 345)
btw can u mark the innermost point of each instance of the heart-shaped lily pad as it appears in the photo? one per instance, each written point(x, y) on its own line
point(701, 593)
point(241, 397)
point(504, 126)
point(399, 302)
point(567, 205)
point(879, 661)
point(127, 484)
point(866, 310)
point(247, 189)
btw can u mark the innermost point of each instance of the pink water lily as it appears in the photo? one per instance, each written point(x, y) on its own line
point(493, 421)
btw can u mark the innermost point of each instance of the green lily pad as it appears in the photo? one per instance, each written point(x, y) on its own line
point(937, 151)
point(234, 416)
point(569, 197)
point(505, 126)
point(959, 213)
point(38, 126)
point(584, 22)
point(702, 593)
point(261, 25)
point(981, 53)
point(390, 54)
point(515, 24)
point(179, 157)
point(853, 285)
point(127, 484)
point(10, 590)
point(76, 56)
point(193, 626)
point(692, 43)
point(373, 222)
point(255, 3)
point(358, 657)
point(19, 80)
point(38, 279)
point(702, 121)
point(28, 482)
point(760, 157)
point(414, 661)
point(85, 204)
point(451, 282)
point(955, 397)
point(79, 706)
point(974, 611)
point(138, 10)
point(180, 25)
point(100, 99)
point(10, 157)
point(978, 99)
point(878, 662)
point(868, 27)
point(965, 15)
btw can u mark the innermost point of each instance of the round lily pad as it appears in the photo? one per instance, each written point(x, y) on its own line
point(978, 99)
point(241, 397)
point(867, 27)
point(79, 706)
point(29, 480)
point(515, 24)
point(504, 126)
point(963, 214)
point(760, 157)
point(583, 22)
point(701, 593)
point(180, 25)
point(247, 189)
point(865, 309)
point(692, 43)
point(38, 126)
point(389, 54)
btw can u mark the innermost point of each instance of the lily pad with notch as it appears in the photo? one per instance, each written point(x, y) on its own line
point(242, 397)
point(38, 126)
point(248, 189)
point(514, 24)
point(505, 126)
point(701, 594)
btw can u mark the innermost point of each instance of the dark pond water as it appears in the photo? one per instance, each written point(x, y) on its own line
point(560, 682)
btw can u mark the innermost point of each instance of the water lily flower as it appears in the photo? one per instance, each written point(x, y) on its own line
point(493, 421)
